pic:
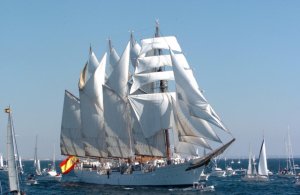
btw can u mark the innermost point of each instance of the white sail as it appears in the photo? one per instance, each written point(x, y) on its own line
point(113, 58)
point(159, 43)
point(249, 170)
point(91, 108)
point(113, 55)
point(151, 146)
point(150, 62)
point(152, 107)
point(188, 90)
point(92, 63)
point(197, 141)
point(118, 79)
point(262, 164)
point(13, 176)
point(186, 148)
point(142, 79)
point(71, 137)
point(1, 161)
point(199, 127)
point(37, 165)
point(134, 51)
point(117, 124)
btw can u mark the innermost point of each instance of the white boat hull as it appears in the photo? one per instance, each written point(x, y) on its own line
point(171, 175)
point(255, 178)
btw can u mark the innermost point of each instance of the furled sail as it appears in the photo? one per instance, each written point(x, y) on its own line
point(70, 137)
point(91, 108)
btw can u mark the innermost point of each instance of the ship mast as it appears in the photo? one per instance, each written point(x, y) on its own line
point(163, 87)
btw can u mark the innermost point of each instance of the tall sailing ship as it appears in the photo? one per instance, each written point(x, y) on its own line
point(129, 128)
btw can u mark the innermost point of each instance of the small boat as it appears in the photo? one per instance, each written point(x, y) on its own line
point(203, 176)
point(51, 173)
point(36, 162)
point(217, 171)
point(229, 171)
point(200, 186)
point(31, 180)
point(262, 174)
point(289, 170)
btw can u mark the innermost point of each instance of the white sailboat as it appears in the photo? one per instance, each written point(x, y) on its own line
point(36, 162)
point(51, 172)
point(13, 169)
point(289, 171)
point(262, 174)
point(125, 122)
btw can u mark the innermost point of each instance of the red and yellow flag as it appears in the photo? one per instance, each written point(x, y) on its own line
point(68, 164)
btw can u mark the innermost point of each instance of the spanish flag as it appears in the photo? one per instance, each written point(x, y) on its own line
point(68, 164)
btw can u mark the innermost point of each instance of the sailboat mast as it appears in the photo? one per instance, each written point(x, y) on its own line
point(163, 87)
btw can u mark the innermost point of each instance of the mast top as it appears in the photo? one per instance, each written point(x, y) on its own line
point(156, 28)
point(90, 48)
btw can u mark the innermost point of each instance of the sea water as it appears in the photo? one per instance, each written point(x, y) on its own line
point(225, 185)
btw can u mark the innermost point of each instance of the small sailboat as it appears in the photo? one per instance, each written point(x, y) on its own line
point(51, 172)
point(36, 162)
point(13, 169)
point(289, 170)
point(262, 174)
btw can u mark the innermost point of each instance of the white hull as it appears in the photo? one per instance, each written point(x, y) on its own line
point(287, 175)
point(255, 178)
point(171, 175)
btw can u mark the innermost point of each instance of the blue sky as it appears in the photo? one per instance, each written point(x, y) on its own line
point(245, 55)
